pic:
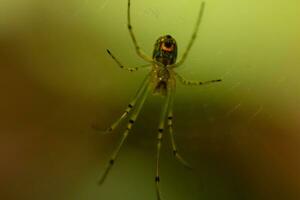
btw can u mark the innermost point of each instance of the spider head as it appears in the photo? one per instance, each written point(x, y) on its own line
point(165, 50)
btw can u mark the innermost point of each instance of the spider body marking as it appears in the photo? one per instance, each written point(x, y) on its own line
point(162, 81)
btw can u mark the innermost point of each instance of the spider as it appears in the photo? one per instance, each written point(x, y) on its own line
point(160, 81)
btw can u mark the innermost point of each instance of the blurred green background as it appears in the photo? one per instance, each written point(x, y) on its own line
point(241, 136)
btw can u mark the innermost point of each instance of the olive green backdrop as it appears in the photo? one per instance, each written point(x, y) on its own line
point(56, 80)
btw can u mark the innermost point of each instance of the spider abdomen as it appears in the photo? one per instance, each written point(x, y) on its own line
point(165, 50)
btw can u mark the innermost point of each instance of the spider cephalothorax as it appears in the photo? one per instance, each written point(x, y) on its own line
point(165, 50)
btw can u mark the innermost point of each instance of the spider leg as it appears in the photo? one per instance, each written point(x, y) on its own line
point(159, 139)
point(125, 134)
point(170, 125)
point(131, 69)
point(139, 51)
point(189, 82)
point(141, 91)
point(192, 40)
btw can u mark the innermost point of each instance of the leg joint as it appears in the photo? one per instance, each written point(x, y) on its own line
point(175, 152)
point(157, 179)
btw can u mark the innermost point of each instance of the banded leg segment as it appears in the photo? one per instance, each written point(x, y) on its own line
point(170, 126)
point(139, 51)
point(192, 83)
point(159, 139)
point(192, 40)
point(131, 105)
point(131, 69)
point(125, 134)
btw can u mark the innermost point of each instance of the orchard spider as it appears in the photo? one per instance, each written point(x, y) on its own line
point(161, 81)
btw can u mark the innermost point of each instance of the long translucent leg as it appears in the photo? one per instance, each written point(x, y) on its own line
point(131, 69)
point(188, 82)
point(170, 125)
point(130, 106)
point(159, 140)
point(125, 134)
point(139, 51)
point(194, 35)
